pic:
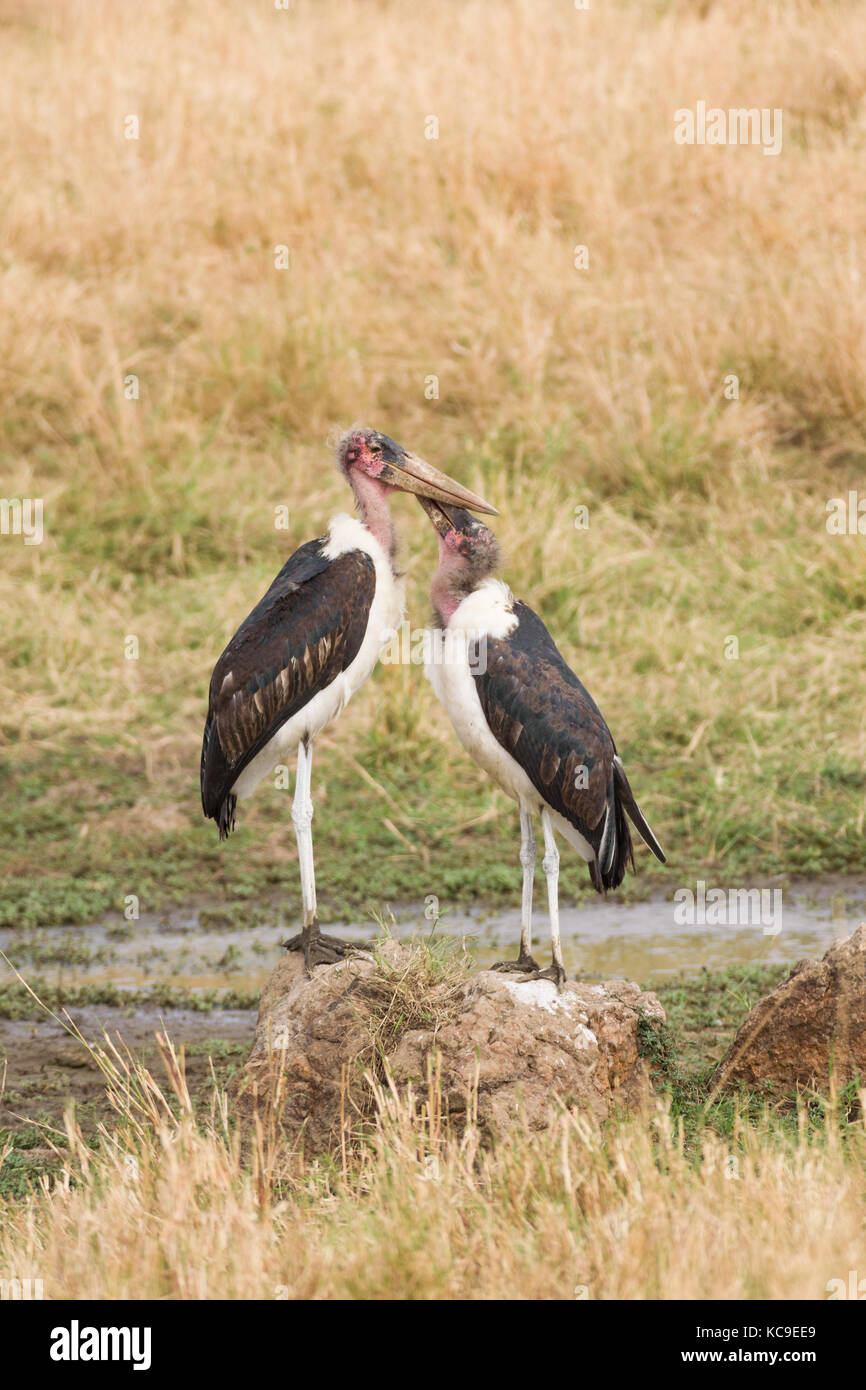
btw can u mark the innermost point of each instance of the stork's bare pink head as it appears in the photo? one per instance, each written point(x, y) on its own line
point(363, 453)
point(468, 553)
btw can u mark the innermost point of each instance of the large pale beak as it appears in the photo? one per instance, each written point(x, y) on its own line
point(414, 474)
point(438, 516)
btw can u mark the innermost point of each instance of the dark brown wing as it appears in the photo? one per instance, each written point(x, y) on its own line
point(541, 714)
point(306, 629)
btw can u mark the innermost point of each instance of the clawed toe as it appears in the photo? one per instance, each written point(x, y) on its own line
point(325, 952)
point(332, 945)
point(527, 965)
point(524, 965)
point(554, 973)
point(317, 949)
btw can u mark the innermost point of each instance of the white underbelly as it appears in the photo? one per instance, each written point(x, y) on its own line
point(455, 687)
point(326, 706)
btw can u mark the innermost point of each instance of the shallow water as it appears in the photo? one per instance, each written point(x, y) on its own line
point(637, 941)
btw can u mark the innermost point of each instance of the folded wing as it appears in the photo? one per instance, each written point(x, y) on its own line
point(543, 716)
point(304, 632)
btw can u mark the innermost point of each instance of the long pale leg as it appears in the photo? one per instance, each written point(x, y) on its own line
point(550, 864)
point(317, 949)
point(302, 815)
point(524, 962)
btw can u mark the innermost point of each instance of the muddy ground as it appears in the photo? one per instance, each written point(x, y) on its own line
point(47, 1069)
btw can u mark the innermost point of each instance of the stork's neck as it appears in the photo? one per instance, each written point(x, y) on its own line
point(445, 603)
point(371, 497)
point(446, 592)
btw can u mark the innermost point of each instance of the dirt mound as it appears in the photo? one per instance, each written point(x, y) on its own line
point(812, 1023)
point(517, 1043)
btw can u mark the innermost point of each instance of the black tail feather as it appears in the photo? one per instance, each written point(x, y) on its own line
point(616, 849)
point(625, 798)
point(225, 817)
point(216, 804)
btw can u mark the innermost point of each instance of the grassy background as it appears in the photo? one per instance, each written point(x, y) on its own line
point(558, 388)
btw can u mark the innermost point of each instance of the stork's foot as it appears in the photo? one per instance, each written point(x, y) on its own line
point(318, 949)
point(524, 965)
point(554, 972)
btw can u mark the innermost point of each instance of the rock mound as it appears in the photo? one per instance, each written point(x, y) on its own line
point(811, 1024)
point(518, 1043)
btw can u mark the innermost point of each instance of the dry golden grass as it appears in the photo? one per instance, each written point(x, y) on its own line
point(166, 1208)
point(452, 257)
point(412, 257)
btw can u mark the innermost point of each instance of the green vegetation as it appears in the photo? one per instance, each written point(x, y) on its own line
point(17, 1002)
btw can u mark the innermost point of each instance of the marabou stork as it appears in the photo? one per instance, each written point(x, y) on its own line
point(308, 645)
point(525, 718)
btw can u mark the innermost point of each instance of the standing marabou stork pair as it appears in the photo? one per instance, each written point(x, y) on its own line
point(524, 717)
